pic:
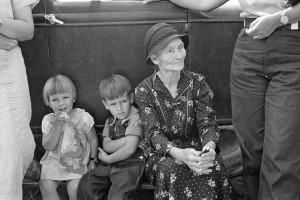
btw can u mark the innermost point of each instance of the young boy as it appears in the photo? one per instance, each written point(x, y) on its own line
point(122, 156)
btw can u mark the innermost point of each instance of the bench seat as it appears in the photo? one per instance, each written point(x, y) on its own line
point(228, 145)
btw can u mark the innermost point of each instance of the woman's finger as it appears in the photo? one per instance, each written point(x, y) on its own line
point(210, 156)
point(201, 170)
point(13, 44)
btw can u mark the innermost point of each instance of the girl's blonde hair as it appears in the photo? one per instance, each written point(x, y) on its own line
point(114, 87)
point(56, 85)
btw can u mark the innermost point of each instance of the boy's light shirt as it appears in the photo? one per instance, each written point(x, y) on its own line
point(257, 8)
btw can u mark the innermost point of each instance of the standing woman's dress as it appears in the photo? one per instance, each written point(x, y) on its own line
point(186, 121)
point(16, 139)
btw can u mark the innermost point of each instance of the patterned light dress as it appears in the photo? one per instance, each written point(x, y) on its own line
point(52, 168)
point(16, 139)
point(186, 121)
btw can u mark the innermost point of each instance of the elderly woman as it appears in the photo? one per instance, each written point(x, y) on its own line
point(265, 94)
point(179, 123)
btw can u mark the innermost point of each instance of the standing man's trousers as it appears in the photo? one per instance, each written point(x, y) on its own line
point(265, 95)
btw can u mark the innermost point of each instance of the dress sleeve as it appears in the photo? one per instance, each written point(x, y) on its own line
point(154, 135)
point(134, 126)
point(19, 4)
point(46, 124)
point(206, 116)
point(88, 122)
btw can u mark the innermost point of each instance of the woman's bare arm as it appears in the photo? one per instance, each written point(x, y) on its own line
point(202, 5)
point(21, 27)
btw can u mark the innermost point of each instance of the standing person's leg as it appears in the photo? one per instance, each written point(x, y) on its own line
point(280, 170)
point(16, 139)
point(248, 83)
point(95, 184)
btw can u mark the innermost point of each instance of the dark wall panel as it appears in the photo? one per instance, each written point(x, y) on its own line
point(100, 38)
point(35, 53)
point(211, 50)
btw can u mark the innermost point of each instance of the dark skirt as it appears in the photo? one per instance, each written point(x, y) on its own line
point(176, 181)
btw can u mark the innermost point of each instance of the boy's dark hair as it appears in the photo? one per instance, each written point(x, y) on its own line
point(114, 87)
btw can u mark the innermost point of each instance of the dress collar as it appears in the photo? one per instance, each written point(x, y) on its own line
point(184, 83)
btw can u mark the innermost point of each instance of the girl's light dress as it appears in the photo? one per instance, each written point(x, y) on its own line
point(16, 139)
point(51, 166)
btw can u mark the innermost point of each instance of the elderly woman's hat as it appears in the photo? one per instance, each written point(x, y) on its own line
point(158, 36)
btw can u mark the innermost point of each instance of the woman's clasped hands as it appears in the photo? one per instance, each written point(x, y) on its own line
point(198, 161)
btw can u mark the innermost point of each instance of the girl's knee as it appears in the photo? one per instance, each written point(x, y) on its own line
point(48, 185)
point(72, 187)
point(48, 189)
point(72, 195)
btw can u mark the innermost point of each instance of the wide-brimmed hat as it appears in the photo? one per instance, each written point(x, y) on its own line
point(158, 36)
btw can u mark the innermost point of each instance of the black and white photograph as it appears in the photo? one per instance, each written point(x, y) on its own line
point(149, 99)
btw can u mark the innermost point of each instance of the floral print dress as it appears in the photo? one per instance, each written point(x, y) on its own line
point(186, 121)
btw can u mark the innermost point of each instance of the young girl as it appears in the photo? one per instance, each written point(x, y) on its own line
point(69, 138)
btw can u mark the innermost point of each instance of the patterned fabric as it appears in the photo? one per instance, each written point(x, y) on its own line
point(115, 128)
point(52, 168)
point(72, 149)
point(186, 121)
point(16, 139)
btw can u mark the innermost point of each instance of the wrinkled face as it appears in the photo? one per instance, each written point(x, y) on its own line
point(120, 107)
point(170, 58)
point(62, 102)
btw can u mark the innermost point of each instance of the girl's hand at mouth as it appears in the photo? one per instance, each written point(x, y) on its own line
point(62, 116)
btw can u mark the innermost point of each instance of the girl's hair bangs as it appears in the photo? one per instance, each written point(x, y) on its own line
point(57, 85)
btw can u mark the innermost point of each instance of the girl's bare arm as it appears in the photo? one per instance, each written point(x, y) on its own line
point(50, 140)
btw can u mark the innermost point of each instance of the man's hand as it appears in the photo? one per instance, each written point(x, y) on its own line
point(7, 43)
point(263, 26)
